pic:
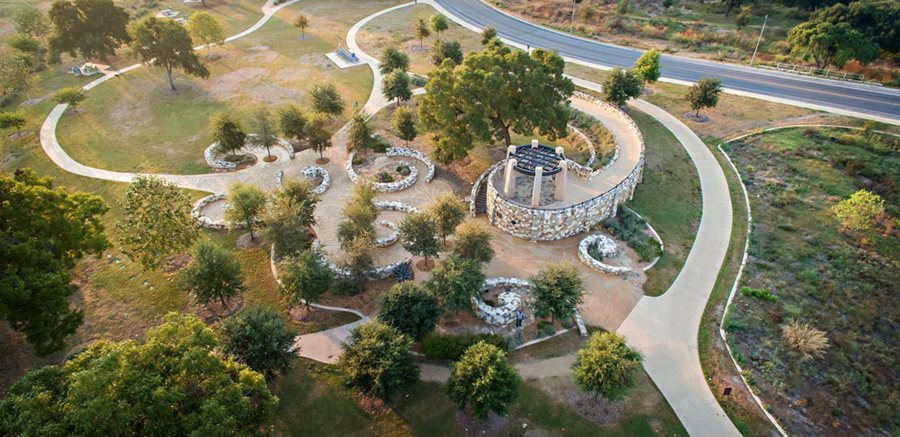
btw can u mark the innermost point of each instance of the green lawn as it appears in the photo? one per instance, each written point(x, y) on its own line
point(668, 198)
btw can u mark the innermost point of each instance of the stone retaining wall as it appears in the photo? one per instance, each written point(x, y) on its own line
point(392, 237)
point(390, 205)
point(206, 222)
point(539, 224)
point(509, 300)
point(607, 247)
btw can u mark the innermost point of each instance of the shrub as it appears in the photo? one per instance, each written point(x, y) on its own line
point(607, 366)
point(403, 170)
point(759, 293)
point(451, 347)
point(484, 380)
point(358, 160)
point(545, 329)
point(805, 339)
point(384, 177)
point(630, 228)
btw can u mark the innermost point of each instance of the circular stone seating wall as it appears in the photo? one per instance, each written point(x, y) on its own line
point(509, 300)
point(206, 222)
point(414, 154)
point(607, 247)
point(385, 187)
point(211, 154)
point(311, 172)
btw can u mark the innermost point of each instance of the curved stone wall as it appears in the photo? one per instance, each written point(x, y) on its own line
point(509, 300)
point(385, 187)
point(607, 247)
point(204, 221)
point(556, 223)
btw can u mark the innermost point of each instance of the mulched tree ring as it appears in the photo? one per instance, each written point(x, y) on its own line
point(423, 267)
point(322, 161)
point(270, 158)
point(214, 310)
point(702, 118)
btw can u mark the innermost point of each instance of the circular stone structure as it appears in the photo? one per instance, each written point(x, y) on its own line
point(538, 194)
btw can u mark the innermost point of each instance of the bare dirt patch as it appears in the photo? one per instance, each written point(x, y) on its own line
point(245, 242)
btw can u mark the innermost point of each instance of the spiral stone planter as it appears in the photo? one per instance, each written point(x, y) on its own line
point(390, 238)
point(607, 247)
point(509, 300)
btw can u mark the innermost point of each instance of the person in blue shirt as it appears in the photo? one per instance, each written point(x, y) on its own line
point(520, 315)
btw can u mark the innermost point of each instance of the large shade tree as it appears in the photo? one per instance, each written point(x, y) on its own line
point(45, 231)
point(88, 28)
point(494, 93)
point(166, 44)
point(831, 44)
point(157, 222)
point(174, 383)
point(326, 100)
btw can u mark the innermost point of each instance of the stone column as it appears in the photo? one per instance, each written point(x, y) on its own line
point(509, 181)
point(561, 180)
point(536, 190)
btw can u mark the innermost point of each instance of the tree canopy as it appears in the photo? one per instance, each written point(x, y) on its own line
point(167, 44)
point(438, 24)
point(227, 132)
point(647, 66)
point(304, 277)
point(473, 241)
point(877, 19)
point(411, 309)
point(404, 124)
point(359, 215)
point(831, 44)
point(396, 86)
point(456, 281)
point(704, 94)
point(30, 21)
point(393, 59)
point(317, 135)
point(418, 235)
point(487, 35)
point(557, 290)
point(359, 137)
point(607, 366)
point(326, 100)
point(130, 388)
point(35, 280)
point(246, 204)
point(260, 338)
point(301, 22)
point(72, 96)
point(157, 222)
point(484, 380)
point(214, 273)
point(292, 122)
point(206, 29)
point(441, 50)
point(288, 217)
point(495, 92)
point(88, 28)
point(12, 119)
point(448, 212)
point(422, 31)
point(265, 129)
point(621, 85)
point(377, 360)
point(860, 211)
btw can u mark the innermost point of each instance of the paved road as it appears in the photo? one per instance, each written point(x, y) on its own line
point(846, 98)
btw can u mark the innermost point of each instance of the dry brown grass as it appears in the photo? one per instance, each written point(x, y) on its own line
point(805, 339)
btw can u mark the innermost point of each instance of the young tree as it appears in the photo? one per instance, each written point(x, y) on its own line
point(214, 273)
point(457, 281)
point(411, 309)
point(442, 50)
point(396, 86)
point(72, 96)
point(704, 94)
point(359, 216)
point(157, 222)
point(46, 231)
point(326, 100)
point(246, 203)
point(377, 360)
point(359, 137)
point(115, 388)
point(301, 22)
point(30, 21)
point(227, 133)
point(438, 24)
point(418, 234)
point(487, 35)
point(607, 366)
point(204, 28)
point(265, 130)
point(472, 103)
point(860, 211)
point(620, 86)
point(16, 77)
point(422, 31)
point(447, 212)
point(260, 338)
point(484, 380)
point(404, 124)
point(472, 241)
point(829, 43)
point(87, 28)
point(12, 119)
point(288, 216)
point(166, 44)
point(743, 17)
point(647, 66)
point(304, 277)
point(358, 258)
point(393, 59)
point(292, 122)
point(318, 136)
point(557, 290)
